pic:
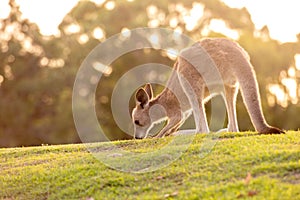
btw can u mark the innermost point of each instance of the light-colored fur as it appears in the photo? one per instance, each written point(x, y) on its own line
point(194, 74)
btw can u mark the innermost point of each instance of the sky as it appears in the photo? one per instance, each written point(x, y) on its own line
point(48, 14)
point(281, 16)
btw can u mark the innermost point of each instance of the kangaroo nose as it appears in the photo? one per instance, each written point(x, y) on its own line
point(138, 137)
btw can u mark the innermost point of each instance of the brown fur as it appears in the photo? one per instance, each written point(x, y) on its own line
point(234, 67)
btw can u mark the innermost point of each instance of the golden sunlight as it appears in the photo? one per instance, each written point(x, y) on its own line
point(125, 32)
point(98, 33)
point(84, 38)
point(1, 79)
point(297, 61)
point(220, 26)
point(281, 16)
point(278, 92)
point(106, 70)
point(72, 28)
point(288, 89)
point(192, 17)
point(49, 14)
point(110, 5)
point(98, 2)
point(172, 53)
point(155, 40)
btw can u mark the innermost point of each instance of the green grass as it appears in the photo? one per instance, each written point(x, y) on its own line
point(240, 166)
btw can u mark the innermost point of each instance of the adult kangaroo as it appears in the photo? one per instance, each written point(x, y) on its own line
point(233, 65)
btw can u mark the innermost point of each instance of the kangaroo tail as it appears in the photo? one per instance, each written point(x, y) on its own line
point(250, 93)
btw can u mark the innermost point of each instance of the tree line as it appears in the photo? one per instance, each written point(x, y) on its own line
point(37, 72)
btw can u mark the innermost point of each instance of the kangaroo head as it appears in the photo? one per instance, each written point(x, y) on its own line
point(140, 114)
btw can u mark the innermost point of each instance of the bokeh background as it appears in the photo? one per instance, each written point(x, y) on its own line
point(40, 55)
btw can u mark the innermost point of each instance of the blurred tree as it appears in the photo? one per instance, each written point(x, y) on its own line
point(37, 72)
point(33, 87)
point(189, 17)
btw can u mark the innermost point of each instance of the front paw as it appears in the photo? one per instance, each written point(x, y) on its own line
point(160, 135)
point(157, 136)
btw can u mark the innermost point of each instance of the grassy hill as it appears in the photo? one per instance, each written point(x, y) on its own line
point(240, 166)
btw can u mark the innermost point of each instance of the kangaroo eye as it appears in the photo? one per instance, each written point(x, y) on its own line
point(137, 122)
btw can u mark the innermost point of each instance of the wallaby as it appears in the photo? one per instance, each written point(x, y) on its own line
point(233, 65)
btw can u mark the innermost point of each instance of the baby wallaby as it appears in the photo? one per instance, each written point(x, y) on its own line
point(197, 67)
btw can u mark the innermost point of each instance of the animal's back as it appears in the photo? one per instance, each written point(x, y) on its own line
point(221, 48)
point(222, 57)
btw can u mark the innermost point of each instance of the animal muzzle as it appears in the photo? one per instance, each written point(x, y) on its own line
point(138, 137)
point(139, 134)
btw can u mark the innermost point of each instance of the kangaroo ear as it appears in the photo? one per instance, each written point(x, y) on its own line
point(142, 97)
point(148, 89)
